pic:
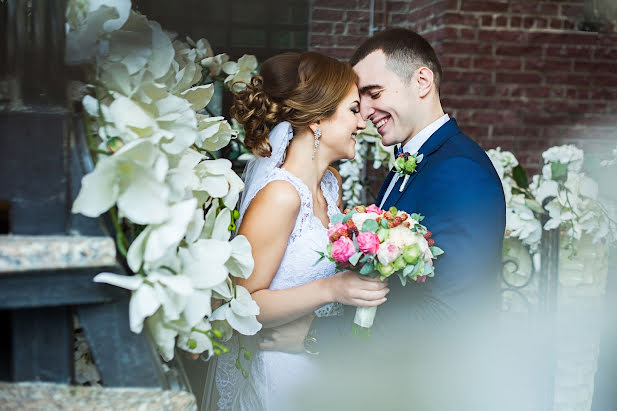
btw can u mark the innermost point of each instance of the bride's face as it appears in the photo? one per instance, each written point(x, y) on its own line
point(338, 132)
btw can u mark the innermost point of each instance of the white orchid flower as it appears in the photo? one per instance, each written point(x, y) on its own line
point(130, 178)
point(158, 289)
point(170, 122)
point(163, 335)
point(521, 222)
point(218, 180)
point(198, 96)
point(204, 262)
point(135, 77)
point(241, 263)
point(215, 64)
point(214, 133)
point(240, 313)
point(202, 47)
point(565, 154)
point(545, 189)
point(181, 178)
point(88, 23)
point(185, 72)
point(196, 341)
point(503, 161)
point(155, 241)
point(196, 226)
point(132, 44)
point(240, 72)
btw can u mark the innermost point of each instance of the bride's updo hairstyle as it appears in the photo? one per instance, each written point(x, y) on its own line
point(298, 88)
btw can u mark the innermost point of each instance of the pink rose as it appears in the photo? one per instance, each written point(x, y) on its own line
point(342, 249)
point(388, 252)
point(336, 231)
point(373, 209)
point(368, 242)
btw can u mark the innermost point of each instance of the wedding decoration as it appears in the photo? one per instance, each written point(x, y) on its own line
point(405, 165)
point(570, 197)
point(375, 242)
point(171, 200)
point(522, 209)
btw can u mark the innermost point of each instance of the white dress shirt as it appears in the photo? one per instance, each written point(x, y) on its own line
point(414, 145)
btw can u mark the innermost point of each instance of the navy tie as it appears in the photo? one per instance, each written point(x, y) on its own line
point(396, 150)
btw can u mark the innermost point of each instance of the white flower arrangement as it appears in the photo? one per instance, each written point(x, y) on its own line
point(156, 172)
point(521, 221)
point(570, 197)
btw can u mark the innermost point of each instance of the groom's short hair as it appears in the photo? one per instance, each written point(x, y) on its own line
point(405, 50)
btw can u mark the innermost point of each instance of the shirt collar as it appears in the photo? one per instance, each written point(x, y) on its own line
point(419, 139)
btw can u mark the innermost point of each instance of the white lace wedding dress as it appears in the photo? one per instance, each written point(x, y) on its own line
point(275, 376)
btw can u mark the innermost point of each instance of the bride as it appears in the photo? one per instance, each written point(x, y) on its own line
point(299, 115)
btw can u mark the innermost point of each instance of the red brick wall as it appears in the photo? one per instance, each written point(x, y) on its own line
point(517, 73)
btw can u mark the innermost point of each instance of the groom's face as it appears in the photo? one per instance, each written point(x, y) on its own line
point(385, 99)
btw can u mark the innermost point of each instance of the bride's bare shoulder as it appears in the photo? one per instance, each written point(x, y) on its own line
point(278, 198)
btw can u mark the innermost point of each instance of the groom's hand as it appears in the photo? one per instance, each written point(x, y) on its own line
point(287, 337)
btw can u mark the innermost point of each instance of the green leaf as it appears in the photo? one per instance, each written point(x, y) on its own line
point(415, 268)
point(354, 258)
point(428, 269)
point(403, 280)
point(436, 251)
point(370, 225)
point(534, 206)
point(520, 176)
point(408, 269)
point(417, 217)
point(559, 171)
point(337, 218)
point(364, 259)
point(367, 269)
point(384, 223)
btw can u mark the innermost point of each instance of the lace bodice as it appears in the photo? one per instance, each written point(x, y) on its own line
point(269, 370)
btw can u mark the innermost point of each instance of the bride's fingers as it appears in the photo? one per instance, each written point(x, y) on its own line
point(374, 286)
point(373, 280)
point(366, 295)
point(372, 303)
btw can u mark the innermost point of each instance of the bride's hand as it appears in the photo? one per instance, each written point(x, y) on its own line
point(350, 288)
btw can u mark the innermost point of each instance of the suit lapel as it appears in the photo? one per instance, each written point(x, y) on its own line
point(437, 139)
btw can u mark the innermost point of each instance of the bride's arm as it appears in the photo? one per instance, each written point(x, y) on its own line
point(267, 224)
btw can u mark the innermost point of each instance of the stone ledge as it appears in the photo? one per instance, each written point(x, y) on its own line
point(30, 253)
point(49, 396)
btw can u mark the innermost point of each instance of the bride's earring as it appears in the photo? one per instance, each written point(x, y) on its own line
point(317, 134)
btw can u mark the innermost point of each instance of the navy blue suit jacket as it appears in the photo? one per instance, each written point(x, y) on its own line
point(457, 190)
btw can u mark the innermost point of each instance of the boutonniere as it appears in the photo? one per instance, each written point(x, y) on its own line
point(405, 165)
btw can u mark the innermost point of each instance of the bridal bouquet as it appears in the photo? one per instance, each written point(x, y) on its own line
point(376, 242)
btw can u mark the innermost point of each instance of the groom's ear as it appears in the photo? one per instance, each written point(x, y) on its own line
point(424, 81)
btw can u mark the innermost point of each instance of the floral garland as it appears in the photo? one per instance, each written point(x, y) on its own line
point(172, 201)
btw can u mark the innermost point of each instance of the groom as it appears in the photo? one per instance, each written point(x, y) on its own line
point(455, 187)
